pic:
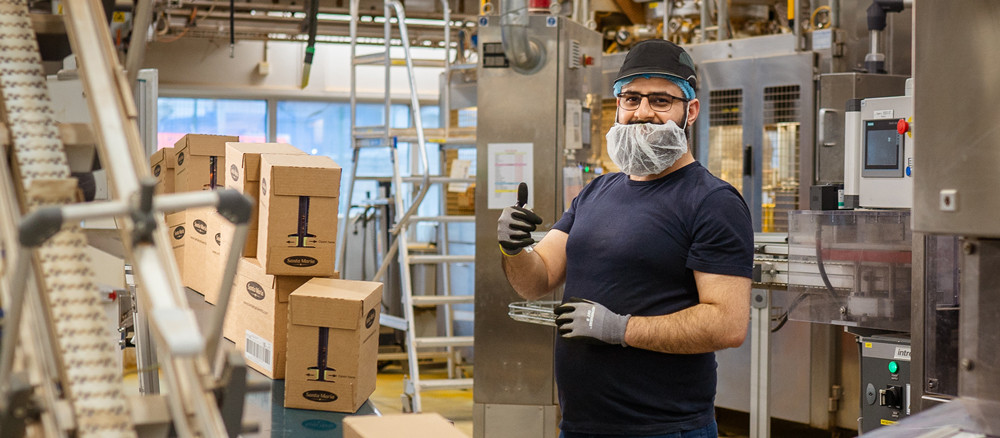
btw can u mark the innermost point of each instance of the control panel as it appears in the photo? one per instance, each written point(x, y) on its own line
point(885, 381)
point(886, 153)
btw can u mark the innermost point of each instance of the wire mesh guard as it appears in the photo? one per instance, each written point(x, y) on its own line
point(534, 312)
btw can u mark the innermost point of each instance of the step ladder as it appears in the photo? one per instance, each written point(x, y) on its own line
point(387, 137)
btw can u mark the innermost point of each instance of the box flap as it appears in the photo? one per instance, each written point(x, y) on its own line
point(203, 144)
point(167, 155)
point(300, 175)
point(423, 425)
point(247, 156)
point(328, 302)
point(157, 156)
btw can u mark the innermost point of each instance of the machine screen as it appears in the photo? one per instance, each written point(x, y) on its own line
point(883, 146)
point(882, 149)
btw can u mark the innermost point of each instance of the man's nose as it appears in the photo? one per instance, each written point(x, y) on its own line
point(644, 112)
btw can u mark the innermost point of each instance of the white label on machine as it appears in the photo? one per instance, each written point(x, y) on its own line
point(902, 353)
point(574, 125)
point(883, 114)
point(822, 39)
point(259, 351)
point(508, 165)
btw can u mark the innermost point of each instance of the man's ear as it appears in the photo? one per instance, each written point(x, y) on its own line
point(694, 107)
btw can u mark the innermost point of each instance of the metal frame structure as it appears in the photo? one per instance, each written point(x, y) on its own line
point(407, 204)
point(58, 302)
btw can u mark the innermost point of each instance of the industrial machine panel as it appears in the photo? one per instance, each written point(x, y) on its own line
point(527, 114)
point(885, 381)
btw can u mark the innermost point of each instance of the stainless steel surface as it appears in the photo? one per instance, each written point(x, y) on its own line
point(959, 148)
point(850, 40)
point(807, 360)
point(514, 421)
point(979, 326)
point(743, 83)
point(760, 370)
point(835, 89)
point(514, 362)
point(935, 318)
point(963, 418)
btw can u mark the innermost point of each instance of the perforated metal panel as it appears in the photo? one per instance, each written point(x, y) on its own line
point(725, 135)
point(780, 164)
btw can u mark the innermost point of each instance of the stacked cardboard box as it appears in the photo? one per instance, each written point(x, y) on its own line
point(162, 164)
point(426, 425)
point(243, 160)
point(256, 320)
point(332, 344)
point(198, 163)
point(299, 197)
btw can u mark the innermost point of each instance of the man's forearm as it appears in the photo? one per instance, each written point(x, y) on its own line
point(701, 328)
point(526, 274)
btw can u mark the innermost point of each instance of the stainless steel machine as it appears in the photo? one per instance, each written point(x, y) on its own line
point(535, 101)
point(954, 213)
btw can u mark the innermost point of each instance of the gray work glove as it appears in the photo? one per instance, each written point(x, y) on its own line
point(586, 320)
point(514, 229)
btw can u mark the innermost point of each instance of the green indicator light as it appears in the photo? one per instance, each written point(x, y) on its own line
point(586, 169)
point(893, 367)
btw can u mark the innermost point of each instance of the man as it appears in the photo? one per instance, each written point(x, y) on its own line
point(656, 262)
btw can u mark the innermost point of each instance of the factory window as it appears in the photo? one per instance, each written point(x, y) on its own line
point(323, 128)
point(177, 116)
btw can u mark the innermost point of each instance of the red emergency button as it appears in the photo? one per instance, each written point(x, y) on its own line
point(588, 60)
point(902, 127)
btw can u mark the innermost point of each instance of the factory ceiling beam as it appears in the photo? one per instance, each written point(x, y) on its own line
point(262, 26)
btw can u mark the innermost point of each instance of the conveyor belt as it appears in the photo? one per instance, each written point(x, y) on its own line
point(91, 379)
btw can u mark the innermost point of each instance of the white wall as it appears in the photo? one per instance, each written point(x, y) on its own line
point(203, 67)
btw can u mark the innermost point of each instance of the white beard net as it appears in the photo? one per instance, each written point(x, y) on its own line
point(643, 149)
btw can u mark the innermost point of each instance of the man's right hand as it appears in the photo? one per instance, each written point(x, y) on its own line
point(514, 229)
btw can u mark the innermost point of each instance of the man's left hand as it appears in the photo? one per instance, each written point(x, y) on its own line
point(589, 321)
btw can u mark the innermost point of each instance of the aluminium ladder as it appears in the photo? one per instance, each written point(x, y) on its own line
point(384, 136)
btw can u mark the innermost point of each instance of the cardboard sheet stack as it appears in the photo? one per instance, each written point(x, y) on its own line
point(287, 301)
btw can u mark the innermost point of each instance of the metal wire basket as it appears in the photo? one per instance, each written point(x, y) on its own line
point(534, 312)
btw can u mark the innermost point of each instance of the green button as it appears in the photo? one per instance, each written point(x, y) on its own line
point(893, 367)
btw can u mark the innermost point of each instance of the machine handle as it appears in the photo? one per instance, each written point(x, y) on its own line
point(824, 139)
point(748, 160)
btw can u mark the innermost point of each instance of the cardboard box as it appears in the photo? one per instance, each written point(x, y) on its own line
point(196, 252)
point(200, 162)
point(257, 317)
point(220, 235)
point(243, 160)
point(332, 344)
point(298, 214)
point(162, 164)
point(177, 228)
point(424, 425)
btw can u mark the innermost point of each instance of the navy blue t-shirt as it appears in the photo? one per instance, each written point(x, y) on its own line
point(633, 247)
